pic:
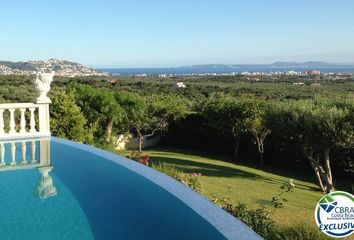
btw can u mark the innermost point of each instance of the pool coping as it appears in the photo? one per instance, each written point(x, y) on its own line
point(225, 223)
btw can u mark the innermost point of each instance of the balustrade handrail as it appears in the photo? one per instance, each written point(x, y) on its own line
point(18, 105)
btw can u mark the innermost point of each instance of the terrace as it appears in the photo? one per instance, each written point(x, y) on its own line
point(59, 189)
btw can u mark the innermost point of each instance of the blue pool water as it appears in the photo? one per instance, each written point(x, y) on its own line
point(92, 194)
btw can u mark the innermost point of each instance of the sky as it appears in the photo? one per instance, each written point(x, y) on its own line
point(166, 33)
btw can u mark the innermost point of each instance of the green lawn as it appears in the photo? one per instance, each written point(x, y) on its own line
point(246, 183)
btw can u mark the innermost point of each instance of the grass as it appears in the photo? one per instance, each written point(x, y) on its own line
point(242, 182)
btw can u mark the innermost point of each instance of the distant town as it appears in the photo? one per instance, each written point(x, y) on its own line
point(246, 73)
point(60, 67)
point(254, 76)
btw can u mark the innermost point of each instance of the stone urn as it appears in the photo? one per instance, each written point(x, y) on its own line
point(45, 187)
point(42, 85)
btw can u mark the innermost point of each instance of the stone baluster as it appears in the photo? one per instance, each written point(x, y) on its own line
point(33, 152)
point(32, 121)
point(13, 153)
point(12, 121)
point(2, 154)
point(2, 125)
point(23, 120)
point(23, 148)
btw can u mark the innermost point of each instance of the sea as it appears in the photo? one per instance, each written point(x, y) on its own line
point(227, 69)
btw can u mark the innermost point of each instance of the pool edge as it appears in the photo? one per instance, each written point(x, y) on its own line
point(225, 223)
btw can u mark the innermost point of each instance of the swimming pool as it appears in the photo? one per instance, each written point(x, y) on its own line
point(58, 189)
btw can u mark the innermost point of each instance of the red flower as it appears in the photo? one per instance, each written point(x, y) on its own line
point(145, 160)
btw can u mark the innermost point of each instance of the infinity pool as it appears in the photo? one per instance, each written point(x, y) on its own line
point(57, 189)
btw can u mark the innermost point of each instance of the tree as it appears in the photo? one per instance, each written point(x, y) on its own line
point(327, 127)
point(228, 116)
point(136, 114)
point(109, 110)
point(259, 131)
point(256, 125)
point(67, 120)
point(237, 117)
point(152, 114)
point(318, 126)
point(100, 108)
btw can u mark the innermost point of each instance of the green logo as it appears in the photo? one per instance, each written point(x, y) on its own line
point(328, 203)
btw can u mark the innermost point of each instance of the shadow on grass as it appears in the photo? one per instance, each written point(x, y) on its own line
point(340, 184)
point(210, 169)
point(213, 170)
point(283, 172)
point(264, 202)
point(206, 169)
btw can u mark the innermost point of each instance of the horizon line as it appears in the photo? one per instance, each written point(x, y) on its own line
point(223, 64)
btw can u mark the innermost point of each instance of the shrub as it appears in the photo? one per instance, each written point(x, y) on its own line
point(192, 181)
point(259, 220)
point(137, 156)
point(301, 231)
point(68, 121)
point(279, 201)
point(170, 170)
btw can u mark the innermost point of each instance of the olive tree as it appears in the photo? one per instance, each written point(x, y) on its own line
point(318, 126)
point(152, 114)
point(227, 116)
point(236, 118)
point(328, 126)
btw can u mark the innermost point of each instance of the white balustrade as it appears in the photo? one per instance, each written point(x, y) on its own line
point(10, 128)
point(24, 123)
point(26, 128)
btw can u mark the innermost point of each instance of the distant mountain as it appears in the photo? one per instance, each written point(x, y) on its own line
point(275, 64)
point(60, 67)
point(24, 66)
point(301, 64)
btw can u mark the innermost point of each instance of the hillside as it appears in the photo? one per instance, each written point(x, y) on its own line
point(60, 67)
